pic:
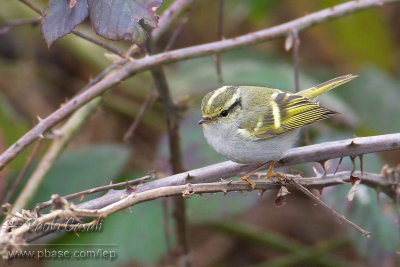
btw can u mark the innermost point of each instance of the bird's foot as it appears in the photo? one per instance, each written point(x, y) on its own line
point(247, 179)
point(271, 173)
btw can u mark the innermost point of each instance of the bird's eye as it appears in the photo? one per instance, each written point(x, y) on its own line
point(224, 113)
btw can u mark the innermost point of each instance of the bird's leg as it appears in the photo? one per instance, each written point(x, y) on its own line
point(271, 172)
point(246, 177)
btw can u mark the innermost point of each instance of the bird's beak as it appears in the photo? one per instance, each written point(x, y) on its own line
point(204, 120)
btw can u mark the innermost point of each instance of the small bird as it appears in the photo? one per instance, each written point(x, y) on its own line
point(249, 124)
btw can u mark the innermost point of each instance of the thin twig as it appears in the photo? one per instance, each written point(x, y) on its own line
point(22, 173)
point(98, 42)
point(178, 30)
point(97, 189)
point(32, 6)
point(176, 9)
point(331, 210)
point(131, 131)
point(220, 26)
point(296, 46)
point(18, 22)
point(146, 63)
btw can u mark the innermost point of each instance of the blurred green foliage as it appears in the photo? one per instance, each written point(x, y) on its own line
point(364, 43)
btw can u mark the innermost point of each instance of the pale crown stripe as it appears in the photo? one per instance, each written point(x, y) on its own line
point(233, 99)
point(215, 94)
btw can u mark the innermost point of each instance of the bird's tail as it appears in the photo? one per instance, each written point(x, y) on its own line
point(319, 89)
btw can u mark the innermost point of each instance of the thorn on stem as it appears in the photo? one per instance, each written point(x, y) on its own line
point(353, 161)
point(340, 162)
point(323, 164)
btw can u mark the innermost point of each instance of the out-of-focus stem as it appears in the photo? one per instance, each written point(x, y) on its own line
point(63, 136)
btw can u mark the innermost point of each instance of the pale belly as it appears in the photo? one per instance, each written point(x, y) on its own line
point(234, 147)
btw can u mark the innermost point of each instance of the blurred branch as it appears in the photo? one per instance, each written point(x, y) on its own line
point(296, 46)
point(62, 138)
point(220, 26)
point(18, 22)
point(175, 10)
point(159, 59)
point(131, 130)
point(175, 151)
point(22, 173)
point(177, 31)
point(12, 236)
point(312, 254)
point(316, 254)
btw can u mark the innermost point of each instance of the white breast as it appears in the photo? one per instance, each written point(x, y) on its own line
point(232, 145)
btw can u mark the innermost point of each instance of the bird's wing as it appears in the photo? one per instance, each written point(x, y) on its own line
point(286, 112)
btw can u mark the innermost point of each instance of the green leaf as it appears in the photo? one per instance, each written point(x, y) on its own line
point(59, 19)
point(82, 169)
point(120, 19)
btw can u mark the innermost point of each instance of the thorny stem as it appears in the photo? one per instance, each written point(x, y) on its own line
point(97, 189)
point(227, 169)
point(186, 190)
point(146, 63)
point(331, 210)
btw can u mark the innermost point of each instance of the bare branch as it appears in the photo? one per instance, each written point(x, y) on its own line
point(227, 169)
point(296, 46)
point(131, 130)
point(176, 9)
point(18, 22)
point(146, 63)
point(220, 26)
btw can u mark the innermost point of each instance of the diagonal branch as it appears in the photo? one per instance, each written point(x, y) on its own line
point(149, 62)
